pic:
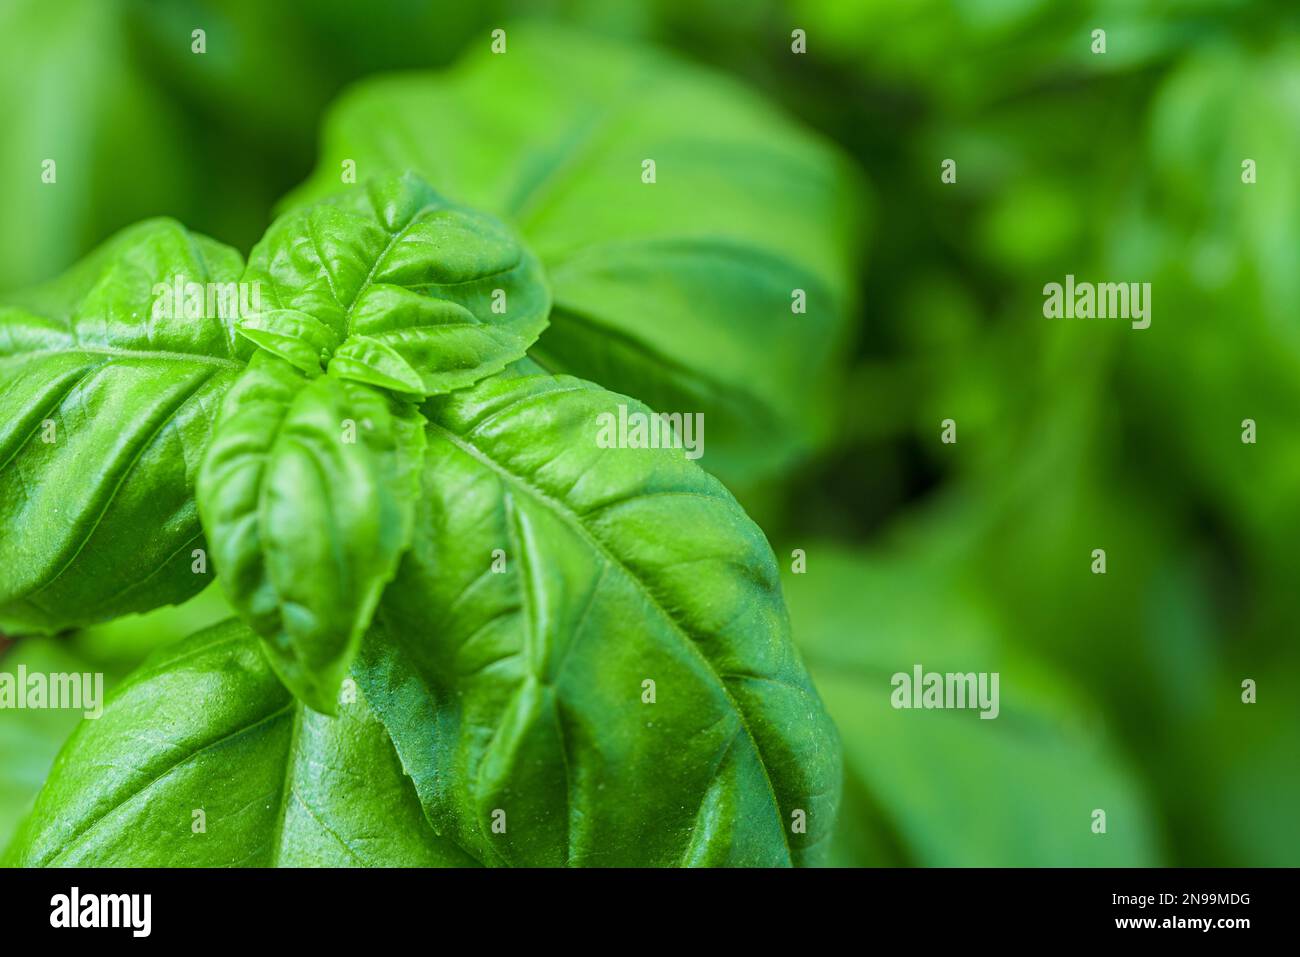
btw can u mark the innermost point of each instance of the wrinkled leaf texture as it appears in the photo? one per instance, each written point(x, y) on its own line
point(523, 690)
point(391, 285)
point(517, 696)
point(307, 494)
point(101, 521)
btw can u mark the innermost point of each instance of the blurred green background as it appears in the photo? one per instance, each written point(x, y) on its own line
point(1119, 691)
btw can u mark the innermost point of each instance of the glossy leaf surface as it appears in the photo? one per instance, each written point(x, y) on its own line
point(106, 406)
point(307, 495)
point(391, 285)
point(585, 657)
point(205, 726)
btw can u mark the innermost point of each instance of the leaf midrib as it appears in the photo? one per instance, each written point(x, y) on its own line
point(155, 354)
point(393, 239)
point(80, 837)
point(574, 521)
point(137, 455)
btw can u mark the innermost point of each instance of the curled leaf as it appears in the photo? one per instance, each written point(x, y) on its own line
point(307, 495)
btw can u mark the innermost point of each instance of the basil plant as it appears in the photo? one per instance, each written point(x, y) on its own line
point(467, 632)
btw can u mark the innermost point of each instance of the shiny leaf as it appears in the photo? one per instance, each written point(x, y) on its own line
point(392, 285)
point(307, 495)
point(105, 410)
point(206, 727)
point(585, 657)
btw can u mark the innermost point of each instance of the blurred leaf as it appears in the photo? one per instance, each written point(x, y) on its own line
point(71, 91)
point(1252, 784)
point(30, 738)
point(1218, 108)
point(954, 789)
point(121, 644)
point(966, 53)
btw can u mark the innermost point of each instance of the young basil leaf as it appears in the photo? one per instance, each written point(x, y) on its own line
point(393, 286)
point(307, 494)
point(681, 291)
point(585, 657)
point(108, 389)
point(202, 758)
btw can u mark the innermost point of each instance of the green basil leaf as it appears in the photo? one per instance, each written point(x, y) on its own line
point(105, 410)
point(679, 292)
point(307, 495)
point(205, 734)
point(1030, 778)
point(391, 285)
point(585, 657)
